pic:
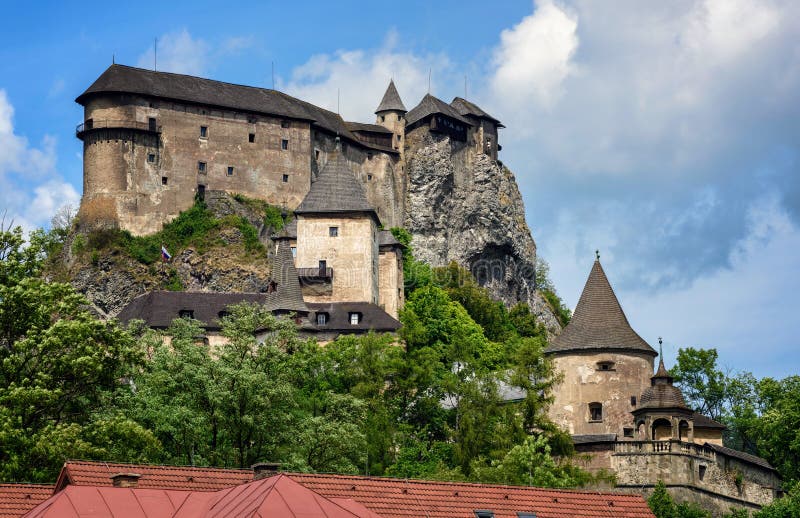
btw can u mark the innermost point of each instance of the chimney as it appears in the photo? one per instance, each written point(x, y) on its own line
point(125, 479)
point(265, 469)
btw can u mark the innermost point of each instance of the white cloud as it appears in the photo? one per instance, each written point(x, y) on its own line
point(361, 76)
point(178, 52)
point(534, 57)
point(30, 188)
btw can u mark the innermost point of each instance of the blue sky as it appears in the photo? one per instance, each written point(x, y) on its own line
point(664, 134)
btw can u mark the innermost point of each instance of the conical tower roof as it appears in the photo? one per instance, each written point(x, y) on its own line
point(661, 394)
point(599, 322)
point(391, 100)
point(288, 295)
point(336, 191)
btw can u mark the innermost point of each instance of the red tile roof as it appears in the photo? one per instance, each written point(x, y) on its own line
point(112, 502)
point(18, 499)
point(388, 497)
point(396, 498)
point(188, 478)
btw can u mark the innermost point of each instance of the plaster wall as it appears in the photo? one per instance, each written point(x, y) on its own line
point(353, 255)
point(584, 383)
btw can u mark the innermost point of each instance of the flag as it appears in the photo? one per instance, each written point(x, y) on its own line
point(164, 254)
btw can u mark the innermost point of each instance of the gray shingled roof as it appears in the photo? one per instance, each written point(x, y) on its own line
point(391, 100)
point(430, 105)
point(197, 90)
point(594, 438)
point(661, 394)
point(289, 231)
point(386, 238)
point(373, 318)
point(752, 459)
point(467, 108)
point(288, 295)
point(159, 308)
point(701, 421)
point(598, 321)
point(371, 128)
point(336, 191)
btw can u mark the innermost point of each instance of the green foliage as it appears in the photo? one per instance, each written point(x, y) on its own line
point(786, 507)
point(737, 513)
point(273, 216)
point(661, 502)
point(60, 372)
point(561, 311)
point(173, 282)
point(704, 386)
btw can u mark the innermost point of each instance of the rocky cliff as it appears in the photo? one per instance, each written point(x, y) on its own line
point(466, 207)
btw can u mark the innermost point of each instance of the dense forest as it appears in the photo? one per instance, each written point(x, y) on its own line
point(426, 404)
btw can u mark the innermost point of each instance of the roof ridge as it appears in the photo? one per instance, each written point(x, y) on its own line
point(153, 466)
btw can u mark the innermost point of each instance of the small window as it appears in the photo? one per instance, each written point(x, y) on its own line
point(151, 157)
point(223, 314)
point(284, 144)
point(323, 268)
point(595, 412)
point(186, 313)
point(398, 138)
point(322, 319)
point(203, 131)
point(701, 472)
point(484, 514)
point(164, 180)
point(627, 432)
point(383, 118)
point(251, 137)
point(633, 400)
point(369, 155)
point(201, 192)
point(285, 124)
point(369, 177)
point(201, 167)
point(294, 251)
point(316, 154)
point(230, 171)
point(285, 178)
point(605, 366)
point(355, 318)
point(151, 124)
point(333, 231)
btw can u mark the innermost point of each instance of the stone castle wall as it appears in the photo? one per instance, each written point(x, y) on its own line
point(585, 382)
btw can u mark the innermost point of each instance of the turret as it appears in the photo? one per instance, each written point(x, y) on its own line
point(391, 114)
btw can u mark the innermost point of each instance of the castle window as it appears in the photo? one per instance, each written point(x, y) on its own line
point(186, 313)
point(398, 138)
point(285, 178)
point(151, 124)
point(595, 412)
point(203, 131)
point(355, 318)
point(294, 251)
point(383, 118)
point(369, 155)
point(201, 192)
point(223, 314)
point(284, 144)
point(369, 177)
point(633, 400)
point(285, 124)
point(151, 157)
point(316, 154)
point(322, 319)
point(230, 170)
point(701, 472)
point(627, 432)
point(333, 231)
point(251, 137)
point(201, 167)
point(163, 180)
point(605, 366)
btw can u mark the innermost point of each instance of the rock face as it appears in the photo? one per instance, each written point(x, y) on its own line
point(466, 207)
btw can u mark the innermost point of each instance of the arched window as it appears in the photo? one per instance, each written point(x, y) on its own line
point(595, 412)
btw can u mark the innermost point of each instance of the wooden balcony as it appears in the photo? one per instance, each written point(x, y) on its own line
point(99, 124)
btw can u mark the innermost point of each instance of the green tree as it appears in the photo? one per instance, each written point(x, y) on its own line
point(60, 372)
point(786, 507)
point(703, 384)
point(661, 502)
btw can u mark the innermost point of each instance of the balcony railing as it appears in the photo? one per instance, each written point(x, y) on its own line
point(664, 447)
point(315, 273)
point(93, 124)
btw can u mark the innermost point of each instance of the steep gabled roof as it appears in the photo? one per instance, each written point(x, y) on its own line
point(391, 100)
point(288, 295)
point(430, 105)
point(467, 108)
point(598, 321)
point(336, 191)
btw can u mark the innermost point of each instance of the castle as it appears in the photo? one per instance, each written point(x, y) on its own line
point(155, 141)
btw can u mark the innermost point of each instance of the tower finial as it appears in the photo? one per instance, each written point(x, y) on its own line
point(660, 351)
point(597, 254)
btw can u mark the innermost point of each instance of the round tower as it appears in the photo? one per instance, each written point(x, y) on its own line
point(605, 364)
point(391, 114)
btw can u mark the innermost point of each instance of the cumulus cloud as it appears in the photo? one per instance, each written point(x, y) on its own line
point(30, 188)
point(177, 52)
point(360, 78)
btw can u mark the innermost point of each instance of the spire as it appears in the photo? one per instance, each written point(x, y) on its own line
point(336, 190)
point(288, 295)
point(661, 372)
point(598, 321)
point(391, 100)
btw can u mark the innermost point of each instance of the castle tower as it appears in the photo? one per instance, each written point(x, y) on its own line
point(337, 236)
point(605, 364)
point(391, 115)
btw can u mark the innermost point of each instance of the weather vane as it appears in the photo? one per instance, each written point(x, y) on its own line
point(597, 253)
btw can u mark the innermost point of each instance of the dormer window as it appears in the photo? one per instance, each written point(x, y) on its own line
point(322, 319)
point(605, 366)
point(186, 313)
point(484, 514)
point(355, 318)
point(595, 412)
